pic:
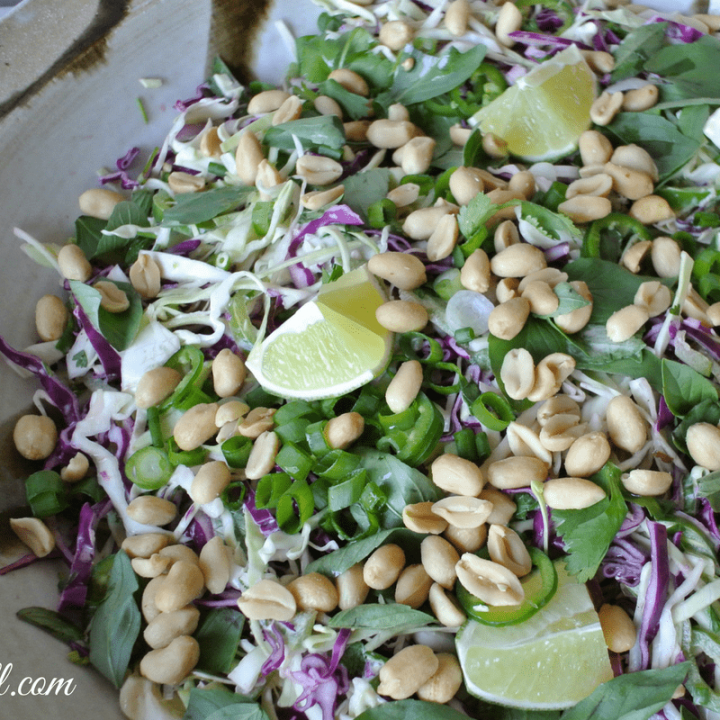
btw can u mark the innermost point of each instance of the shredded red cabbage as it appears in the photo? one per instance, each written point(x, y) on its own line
point(264, 519)
point(275, 640)
point(184, 248)
point(323, 679)
point(624, 562)
point(109, 357)
point(60, 395)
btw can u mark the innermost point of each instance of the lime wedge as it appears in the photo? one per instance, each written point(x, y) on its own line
point(542, 116)
point(551, 661)
point(330, 346)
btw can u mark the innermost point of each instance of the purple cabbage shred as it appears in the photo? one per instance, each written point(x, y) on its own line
point(273, 637)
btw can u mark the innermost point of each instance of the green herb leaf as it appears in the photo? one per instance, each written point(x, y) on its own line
point(381, 617)
point(116, 624)
point(634, 696)
point(552, 225)
point(354, 105)
point(587, 533)
point(684, 388)
point(318, 56)
point(53, 623)
point(569, 299)
point(402, 484)
point(239, 711)
point(365, 188)
point(204, 702)
point(686, 66)
point(434, 75)
point(337, 562)
point(315, 133)
point(88, 234)
point(636, 48)
point(194, 208)
point(119, 329)
point(218, 636)
point(411, 710)
point(473, 216)
point(670, 149)
point(126, 213)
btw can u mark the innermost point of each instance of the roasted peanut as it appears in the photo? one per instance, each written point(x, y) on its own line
point(624, 323)
point(215, 563)
point(647, 482)
point(182, 182)
point(598, 185)
point(35, 436)
point(651, 209)
point(542, 299)
point(595, 148)
point(405, 673)
point(475, 273)
point(405, 386)
point(314, 592)
point(617, 627)
point(457, 16)
point(150, 567)
point(148, 606)
point(654, 297)
point(572, 493)
point(320, 198)
point(456, 475)
point(587, 454)
point(402, 316)
point(262, 456)
point(390, 134)
point(35, 534)
point(351, 587)
point(606, 107)
point(248, 156)
point(176, 553)
point(268, 600)
point(490, 582)
point(518, 373)
point(343, 430)
point(404, 195)
point(463, 512)
point(443, 239)
point(445, 682)
point(518, 260)
point(626, 426)
point(384, 566)
point(351, 81)
point(318, 170)
point(439, 558)
point(266, 101)
point(172, 664)
point(112, 298)
point(406, 272)
point(585, 208)
point(576, 320)
point(467, 539)
point(420, 224)
point(508, 319)
point(665, 255)
point(229, 373)
point(290, 110)
point(703, 443)
point(164, 628)
point(516, 472)
point(209, 482)
point(76, 469)
point(416, 155)
point(145, 545)
point(635, 254)
point(413, 586)
point(152, 510)
point(503, 507)
point(420, 518)
point(183, 584)
point(560, 432)
point(327, 106)
point(444, 608)
point(507, 549)
point(465, 184)
point(145, 276)
point(636, 158)
point(523, 182)
point(99, 203)
point(73, 264)
point(51, 317)
point(640, 99)
point(155, 386)
point(256, 422)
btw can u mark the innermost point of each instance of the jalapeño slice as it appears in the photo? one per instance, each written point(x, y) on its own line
point(539, 586)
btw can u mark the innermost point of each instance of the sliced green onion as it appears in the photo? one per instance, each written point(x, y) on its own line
point(143, 111)
point(217, 169)
point(373, 497)
point(293, 431)
point(259, 397)
point(315, 438)
point(293, 410)
point(465, 444)
point(294, 461)
point(262, 217)
point(442, 184)
point(368, 402)
point(46, 493)
point(236, 451)
point(336, 465)
point(483, 447)
point(381, 213)
point(190, 363)
point(185, 457)
point(413, 345)
point(232, 490)
point(425, 182)
point(153, 422)
point(446, 389)
point(492, 411)
point(270, 489)
point(299, 496)
point(464, 335)
point(149, 468)
point(347, 493)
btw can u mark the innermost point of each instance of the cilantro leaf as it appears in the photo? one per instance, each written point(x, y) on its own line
point(587, 533)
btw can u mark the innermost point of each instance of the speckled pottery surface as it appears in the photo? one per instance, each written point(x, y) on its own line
point(69, 87)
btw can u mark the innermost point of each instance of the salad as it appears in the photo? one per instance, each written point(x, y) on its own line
point(394, 391)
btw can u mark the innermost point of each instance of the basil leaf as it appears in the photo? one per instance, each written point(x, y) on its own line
point(636, 48)
point(194, 208)
point(315, 133)
point(434, 75)
point(52, 623)
point(402, 484)
point(692, 119)
point(116, 624)
point(354, 105)
point(634, 696)
point(365, 188)
point(239, 711)
point(204, 702)
point(670, 149)
point(88, 234)
point(218, 637)
point(612, 287)
point(411, 710)
point(587, 533)
point(338, 561)
point(380, 617)
point(126, 213)
point(686, 65)
point(119, 329)
point(684, 388)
